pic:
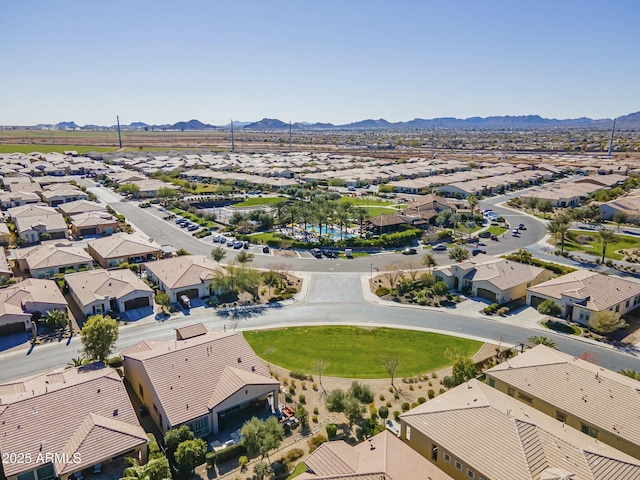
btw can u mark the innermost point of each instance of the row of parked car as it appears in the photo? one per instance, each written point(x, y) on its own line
point(236, 244)
point(184, 223)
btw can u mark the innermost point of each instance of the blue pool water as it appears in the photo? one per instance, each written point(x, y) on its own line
point(333, 233)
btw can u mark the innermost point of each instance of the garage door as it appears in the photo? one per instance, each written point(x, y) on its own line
point(191, 293)
point(136, 303)
point(12, 328)
point(535, 301)
point(488, 294)
point(89, 231)
point(57, 235)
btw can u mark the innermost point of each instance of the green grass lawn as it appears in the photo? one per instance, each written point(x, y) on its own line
point(264, 237)
point(497, 230)
point(592, 247)
point(20, 148)
point(354, 352)
point(354, 254)
point(205, 188)
point(375, 211)
point(562, 327)
point(299, 470)
point(366, 202)
point(252, 202)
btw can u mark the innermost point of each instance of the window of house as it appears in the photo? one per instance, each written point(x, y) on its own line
point(510, 392)
point(199, 426)
point(27, 476)
point(407, 433)
point(141, 390)
point(155, 408)
point(434, 452)
point(458, 464)
point(492, 382)
point(592, 432)
point(561, 416)
point(627, 303)
point(446, 457)
point(471, 473)
point(46, 472)
point(587, 316)
point(617, 308)
point(525, 398)
point(581, 316)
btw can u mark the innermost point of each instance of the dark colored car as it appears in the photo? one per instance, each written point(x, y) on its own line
point(409, 251)
point(245, 245)
point(316, 252)
point(439, 247)
point(477, 251)
point(327, 253)
point(265, 249)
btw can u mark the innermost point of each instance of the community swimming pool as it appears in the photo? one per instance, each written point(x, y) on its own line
point(331, 232)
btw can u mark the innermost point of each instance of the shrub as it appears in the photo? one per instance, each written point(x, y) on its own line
point(430, 393)
point(300, 376)
point(315, 441)
point(314, 418)
point(388, 404)
point(114, 362)
point(406, 407)
point(382, 291)
point(242, 462)
point(315, 387)
point(332, 429)
point(294, 454)
point(373, 411)
point(549, 307)
point(381, 398)
point(503, 311)
point(396, 414)
point(232, 451)
point(210, 458)
point(302, 399)
point(292, 390)
point(383, 412)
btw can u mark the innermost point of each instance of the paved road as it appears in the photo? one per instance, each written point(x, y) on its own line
point(316, 310)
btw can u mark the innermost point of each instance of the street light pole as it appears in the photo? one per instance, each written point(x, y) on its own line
point(371, 271)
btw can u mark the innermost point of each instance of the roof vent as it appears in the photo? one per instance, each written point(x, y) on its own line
point(253, 368)
point(115, 412)
point(239, 360)
point(98, 390)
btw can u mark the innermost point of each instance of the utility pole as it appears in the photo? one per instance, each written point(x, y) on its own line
point(233, 143)
point(611, 139)
point(119, 136)
point(289, 135)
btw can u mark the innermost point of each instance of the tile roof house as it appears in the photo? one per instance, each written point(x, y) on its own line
point(580, 294)
point(575, 392)
point(5, 234)
point(190, 275)
point(61, 193)
point(383, 456)
point(32, 221)
point(495, 279)
point(198, 379)
point(49, 259)
point(101, 291)
point(93, 223)
point(83, 416)
point(111, 251)
point(475, 431)
point(628, 204)
point(17, 199)
point(19, 301)
point(80, 206)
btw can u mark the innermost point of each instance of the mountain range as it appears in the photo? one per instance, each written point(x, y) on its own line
point(630, 121)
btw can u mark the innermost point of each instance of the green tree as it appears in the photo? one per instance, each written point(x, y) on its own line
point(262, 470)
point(76, 362)
point(271, 279)
point(303, 416)
point(547, 342)
point(606, 322)
point(391, 364)
point(155, 469)
point(190, 454)
point(605, 237)
point(463, 369)
point(337, 182)
point(166, 194)
point(175, 437)
point(353, 410)
point(472, 200)
point(549, 307)
point(630, 373)
point(130, 189)
point(162, 299)
point(361, 216)
point(244, 257)
point(545, 206)
point(558, 228)
point(55, 319)
point(242, 462)
point(360, 391)
point(98, 336)
point(334, 401)
point(458, 253)
point(320, 365)
point(619, 218)
point(279, 206)
point(218, 253)
point(429, 261)
point(383, 412)
point(261, 436)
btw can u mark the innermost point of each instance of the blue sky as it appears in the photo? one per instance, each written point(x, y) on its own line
point(317, 61)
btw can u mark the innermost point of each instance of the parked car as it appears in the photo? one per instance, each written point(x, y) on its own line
point(327, 253)
point(265, 249)
point(192, 227)
point(485, 234)
point(316, 252)
point(440, 247)
point(477, 251)
point(185, 301)
point(180, 220)
point(229, 242)
point(494, 238)
point(237, 245)
point(245, 245)
point(409, 251)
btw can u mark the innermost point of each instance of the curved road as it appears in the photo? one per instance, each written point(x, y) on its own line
point(335, 297)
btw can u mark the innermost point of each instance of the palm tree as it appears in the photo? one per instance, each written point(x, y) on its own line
point(279, 205)
point(472, 200)
point(547, 342)
point(429, 261)
point(455, 219)
point(271, 279)
point(343, 212)
point(55, 319)
point(558, 230)
point(630, 373)
point(306, 214)
point(75, 362)
point(361, 215)
point(605, 237)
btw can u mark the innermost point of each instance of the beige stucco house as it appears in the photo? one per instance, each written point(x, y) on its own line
point(119, 248)
point(198, 379)
point(49, 259)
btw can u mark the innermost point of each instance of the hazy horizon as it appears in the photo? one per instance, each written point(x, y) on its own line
point(333, 62)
